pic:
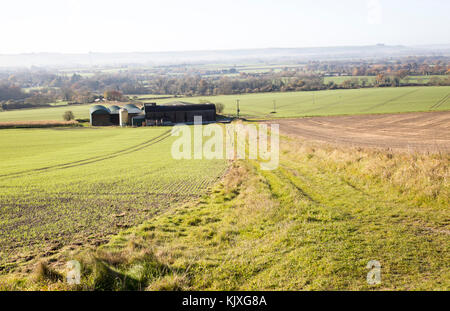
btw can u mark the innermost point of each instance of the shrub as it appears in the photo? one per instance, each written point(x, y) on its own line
point(68, 116)
point(219, 107)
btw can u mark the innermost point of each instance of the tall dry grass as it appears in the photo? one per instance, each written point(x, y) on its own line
point(422, 177)
point(37, 124)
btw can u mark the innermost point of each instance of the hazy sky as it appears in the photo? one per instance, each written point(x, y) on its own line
point(154, 25)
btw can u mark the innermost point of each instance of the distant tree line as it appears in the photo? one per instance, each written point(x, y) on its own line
point(38, 88)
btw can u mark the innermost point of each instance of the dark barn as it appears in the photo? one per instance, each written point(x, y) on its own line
point(100, 116)
point(178, 112)
point(103, 116)
point(114, 115)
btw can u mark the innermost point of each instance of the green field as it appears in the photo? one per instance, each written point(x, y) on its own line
point(312, 224)
point(371, 79)
point(76, 186)
point(336, 102)
point(115, 199)
point(40, 114)
point(291, 104)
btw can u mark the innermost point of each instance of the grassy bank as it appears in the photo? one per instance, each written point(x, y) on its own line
point(312, 224)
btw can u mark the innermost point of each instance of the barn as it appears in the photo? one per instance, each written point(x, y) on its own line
point(114, 114)
point(167, 114)
point(133, 112)
point(100, 116)
point(178, 112)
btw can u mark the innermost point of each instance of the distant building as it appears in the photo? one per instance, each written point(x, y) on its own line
point(103, 116)
point(178, 112)
point(151, 114)
point(100, 116)
point(114, 114)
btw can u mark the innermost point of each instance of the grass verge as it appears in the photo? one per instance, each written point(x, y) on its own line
point(312, 224)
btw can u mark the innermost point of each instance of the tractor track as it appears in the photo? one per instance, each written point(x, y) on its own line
point(389, 101)
point(334, 104)
point(440, 102)
point(91, 160)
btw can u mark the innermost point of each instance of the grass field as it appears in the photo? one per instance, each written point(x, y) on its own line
point(371, 79)
point(292, 104)
point(337, 102)
point(312, 224)
point(41, 114)
point(63, 187)
point(114, 199)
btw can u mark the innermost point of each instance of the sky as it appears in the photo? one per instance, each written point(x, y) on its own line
point(82, 26)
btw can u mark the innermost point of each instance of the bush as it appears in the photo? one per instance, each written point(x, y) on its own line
point(219, 107)
point(68, 116)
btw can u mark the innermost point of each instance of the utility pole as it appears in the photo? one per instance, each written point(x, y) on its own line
point(274, 106)
point(237, 107)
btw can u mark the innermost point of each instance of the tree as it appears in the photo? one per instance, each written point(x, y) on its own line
point(395, 81)
point(113, 95)
point(380, 79)
point(434, 81)
point(402, 74)
point(68, 116)
point(219, 107)
point(364, 82)
point(67, 94)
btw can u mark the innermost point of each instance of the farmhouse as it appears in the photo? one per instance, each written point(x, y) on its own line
point(151, 114)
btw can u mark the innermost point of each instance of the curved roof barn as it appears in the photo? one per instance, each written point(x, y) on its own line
point(99, 109)
point(114, 109)
point(132, 108)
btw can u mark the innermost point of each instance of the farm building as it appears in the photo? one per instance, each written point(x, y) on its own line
point(100, 115)
point(132, 112)
point(115, 115)
point(178, 112)
point(171, 113)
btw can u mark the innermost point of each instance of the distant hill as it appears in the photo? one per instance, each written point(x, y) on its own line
point(222, 56)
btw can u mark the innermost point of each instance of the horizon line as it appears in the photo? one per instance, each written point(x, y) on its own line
point(232, 49)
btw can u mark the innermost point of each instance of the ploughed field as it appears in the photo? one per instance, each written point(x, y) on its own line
point(426, 131)
point(288, 104)
point(60, 188)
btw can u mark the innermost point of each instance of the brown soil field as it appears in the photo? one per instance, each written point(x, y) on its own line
point(424, 131)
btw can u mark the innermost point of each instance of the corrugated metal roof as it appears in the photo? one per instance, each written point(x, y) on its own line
point(179, 103)
point(132, 108)
point(99, 109)
point(178, 106)
point(114, 109)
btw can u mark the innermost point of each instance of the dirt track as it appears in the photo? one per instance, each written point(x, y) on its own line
point(427, 131)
